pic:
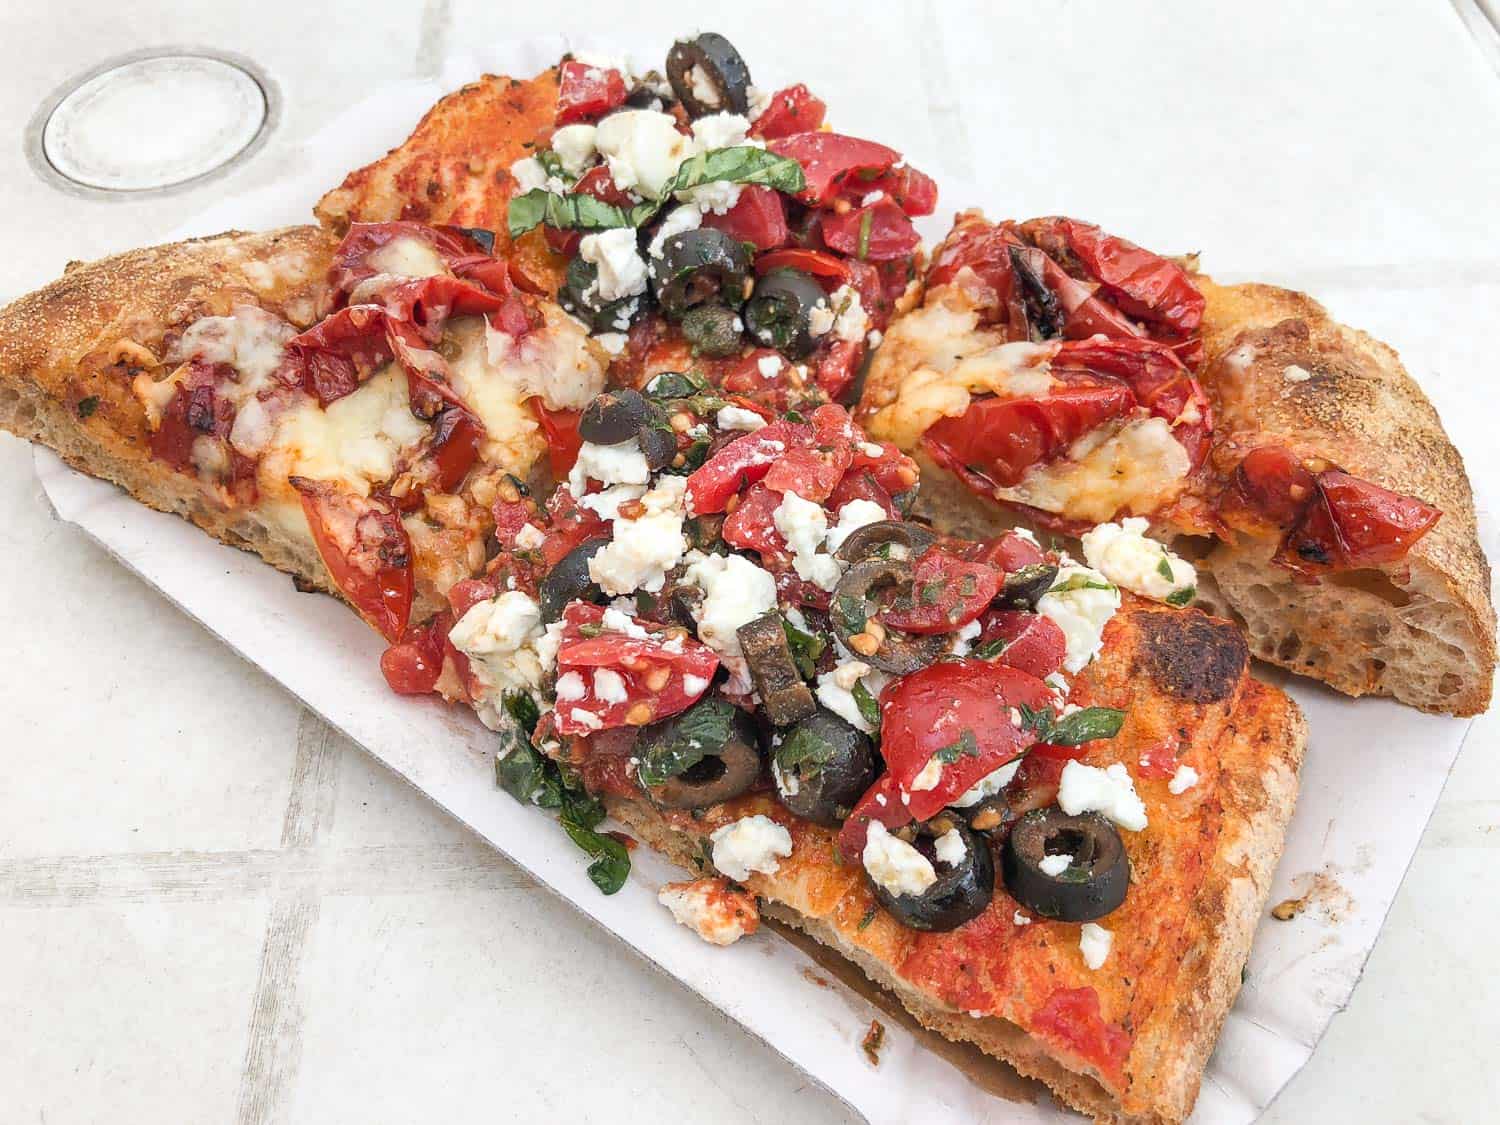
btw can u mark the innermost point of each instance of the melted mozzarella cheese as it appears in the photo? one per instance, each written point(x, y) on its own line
point(407, 257)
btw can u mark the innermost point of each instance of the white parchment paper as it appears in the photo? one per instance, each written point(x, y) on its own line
point(1373, 773)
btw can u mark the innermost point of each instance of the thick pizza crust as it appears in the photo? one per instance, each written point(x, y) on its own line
point(1181, 988)
point(83, 338)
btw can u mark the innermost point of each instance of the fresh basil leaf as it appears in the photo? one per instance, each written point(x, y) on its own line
point(867, 919)
point(591, 629)
point(991, 649)
point(611, 861)
point(967, 745)
point(804, 752)
point(682, 743)
point(1072, 730)
point(521, 770)
point(743, 165)
point(805, 648)
point(564, 212)
point(1182, 597)
point(1164, 566)
point(1079, 582)
point(851, 611)
point(869, 707)
point(523, 709)
point(676, 384)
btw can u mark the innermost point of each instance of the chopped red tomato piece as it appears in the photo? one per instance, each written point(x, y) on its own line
point(758, 217)
point(601, 185)
point(860, 484)
point(815, 464)
point(893, 470)
point(882, 802)
point(564, 242)
point(876, 233)
point(948, 725)
point(832, 271)
point(743, 461)
point(569, 525)
point(828, 159)
point(616, 672)
point(1353, 523)
point(586, 93)
point(752, 524)
point(947, 593)
point(1158, 379)
point(412, 666)
point(560, 428)
point(1029, 641)
point(1160, 759)
point(1010, 552)
point(995, 441)
point(195, 410)
point(793, 110)
point(367, 552)
point(916, 193)
point(1072, 1019)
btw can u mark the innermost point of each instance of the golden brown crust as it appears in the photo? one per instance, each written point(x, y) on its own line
point(69, 351)
point(1201, 871)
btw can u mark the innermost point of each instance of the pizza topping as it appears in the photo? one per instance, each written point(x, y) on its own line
point(367, 552)
point(1122, 553)
point(942, 878)
point(1072, 1018)
point(1069, 868)
point(750, 844)
point(783, 696)
point(586, 93)
point(854, 615)
point(1183, 779)
point(1094, 942)
point(569, 580)
point(718, 913)
point(706, 755)
point(1080, 602)
point(708, 75)
point(1110, 791)
point(822, 767)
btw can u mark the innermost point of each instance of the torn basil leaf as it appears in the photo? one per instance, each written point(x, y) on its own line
point(742, 165)
point(804, 752)
point(869, 706)
point(805, 648)
point(685, 740)
point(1081, 726)
point(564, 212)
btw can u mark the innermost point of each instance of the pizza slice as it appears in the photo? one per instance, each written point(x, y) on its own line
point(1059, 375)
point(350, 411)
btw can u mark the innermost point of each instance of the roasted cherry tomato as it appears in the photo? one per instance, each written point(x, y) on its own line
point(1158, 379)
point(619, 673)
point(367, 552)
point(413, 665)
point(995, 441)
point(586, 93)
point(950, 724)
point(758, 217)
point(882, 802)
point(466, 252)
point(876, 232)
point(1270, 489)
point(1027, 641)
point(455, 445)
point(333, 357)
point(830, 271)
point(828, 159)
point(946, 593)
point(560, 427)
point(1353, 523)
point(792, 110)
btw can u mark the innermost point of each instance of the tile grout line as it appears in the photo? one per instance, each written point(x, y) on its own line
point(273, 1047)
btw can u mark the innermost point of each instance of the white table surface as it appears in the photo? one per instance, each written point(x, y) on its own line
point(212, 909)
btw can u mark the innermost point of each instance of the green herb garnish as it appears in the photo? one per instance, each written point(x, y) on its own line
point(804, 752)
point(1079, 582)
point(563, 212)
point(1164, 566)
point(869, 707)
point(678, 746)
point(863, 248)
point(805, 647)
point(1072, 730)
point(967, 745)
point(1182, 597)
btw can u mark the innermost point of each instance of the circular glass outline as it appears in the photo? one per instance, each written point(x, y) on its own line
point(36, 152)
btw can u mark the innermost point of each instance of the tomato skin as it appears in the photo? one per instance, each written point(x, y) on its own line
point(792, 110)
point(916, 193)
point(570, 525)
point(367, 552)
point(1033, 643)
point(947, 593)
point(586, 93)
point(560, 428)
point(334, 356)
point(413, 665)
point(948, 703)
point(758, 217)
point(881, 230)
point(563, 243)
point(1354, 523)
point(633, 659)
point(882, 802)
point(601, 185)
point(455, 445)
point(752, 524)
point(743, 461)
point(831, 271)
point(828, 159)
point(996, 440)
point(1010, 552)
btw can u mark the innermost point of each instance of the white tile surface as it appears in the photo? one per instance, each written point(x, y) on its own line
point(205, 916)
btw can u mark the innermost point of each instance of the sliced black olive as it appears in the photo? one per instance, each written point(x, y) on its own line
point(1093, 883)
point(783, 695)
point(720, 776)
point(962, 890)
point(823, 767)
point(994, 815)
point(713, 330)
point(484, 238)
point(580, 296)
point(569, 581)
point(722, 79)
point(698, 267)
point(780, 311)
point(651, 91)
point(874, 537)
point(850, 611)
point(614, 416)
point(658, 442)
point(1043, 310)
point(1024, 588)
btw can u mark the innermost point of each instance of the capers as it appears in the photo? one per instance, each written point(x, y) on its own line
point(713, 330)
point(779, 314)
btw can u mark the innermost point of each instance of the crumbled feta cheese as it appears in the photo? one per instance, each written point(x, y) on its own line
point(820, 319)
point(609, 686)
point(751, 843)
point(720, 130)
point(738, 418)
point(574, 145)
point(874, 338)
point(530, 537)
point(1020, 919)
point(694, 685)
point(606, 504)
point(1122, 553)
point(872, 197)
point(805, 526)
point(987, 786)
point(1081, 612)
point(895, 864)
point(735, 591)
point(499, 637)
point(622, 270)
point(853, 516)
point(614, 343)
point(928, 778)
point(643, 549)
point(950, 848)
point(1055, 865)
point(716, 912)
point(1094, 942)
point(529, 175)
point(623, 463)
point(1184, 779)
point(643, 148)
point(852, 322)
point(1109, 791)
point(618, 621)
point(678, 220)
point(760, 101)
point(835, 690)
point(963, 641)
point(571, 688)
point(717, 196)
point(769, 366)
